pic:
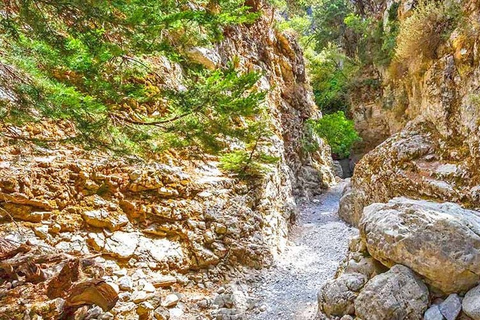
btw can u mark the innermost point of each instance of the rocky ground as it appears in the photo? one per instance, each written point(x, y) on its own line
point(318, 242)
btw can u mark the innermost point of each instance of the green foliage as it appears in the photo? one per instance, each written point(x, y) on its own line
point(253, 159)
point(331, 74)
point(247, 164)
point(95, 64)
point(338, 131)
point(339, 43)
point(329, 20)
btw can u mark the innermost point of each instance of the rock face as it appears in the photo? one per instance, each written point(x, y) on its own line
point(174, 217)
point(427, 121)
point(421, 140)
point(395, 294)
point(438, 241)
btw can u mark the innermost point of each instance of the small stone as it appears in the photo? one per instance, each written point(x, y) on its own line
point(41, 232)
point(104, 219)
point(170, 301)
point(451, 307)
point(124, 296)
point(164, 281)
point(176, 313)
point(121, 272)
point(148, 287)
point(204, 304)
point(93, 313)
point(144, 307)
point(139, 274)
point(139, 296)
point(220, 228)
point(55, 228)
point(125, 283)
point(106, 316)
point(161, 314)
point(433, 313)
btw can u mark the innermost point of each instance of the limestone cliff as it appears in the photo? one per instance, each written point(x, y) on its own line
point(434, 118)
point(412, 195)
point(157, 227)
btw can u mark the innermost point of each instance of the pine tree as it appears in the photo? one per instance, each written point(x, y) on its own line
point(91, 62)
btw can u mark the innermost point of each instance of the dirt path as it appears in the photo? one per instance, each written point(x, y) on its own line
point(317, 244)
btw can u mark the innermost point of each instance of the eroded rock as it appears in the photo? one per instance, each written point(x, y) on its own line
point(337, 296)
point(395, 294)
point(438, 241)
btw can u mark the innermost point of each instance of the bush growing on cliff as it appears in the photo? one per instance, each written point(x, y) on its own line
point(338, 131)
point(422, 32)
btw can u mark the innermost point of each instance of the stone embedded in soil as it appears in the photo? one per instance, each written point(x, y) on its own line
point(125, 283)
point(102, 218)
point(170, 301)
point(163, 281)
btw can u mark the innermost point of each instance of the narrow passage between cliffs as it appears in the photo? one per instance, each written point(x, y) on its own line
point(318, 243)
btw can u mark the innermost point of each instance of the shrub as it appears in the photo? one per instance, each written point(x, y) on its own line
point(331, 74)
point(338, 131)
point(422, 32)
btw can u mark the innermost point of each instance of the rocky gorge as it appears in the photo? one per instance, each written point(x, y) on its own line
point(85, 234)
point(159, 239)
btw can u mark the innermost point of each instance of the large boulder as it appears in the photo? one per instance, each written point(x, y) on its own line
point(351, 205)
point(396, 294)
point(440, 241)
point(337, 296)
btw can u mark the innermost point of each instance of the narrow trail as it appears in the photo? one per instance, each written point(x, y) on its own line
point(317, 244)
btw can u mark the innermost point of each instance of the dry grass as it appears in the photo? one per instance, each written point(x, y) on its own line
point(422, 33)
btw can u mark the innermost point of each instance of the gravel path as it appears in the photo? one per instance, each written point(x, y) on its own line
point(317, 244)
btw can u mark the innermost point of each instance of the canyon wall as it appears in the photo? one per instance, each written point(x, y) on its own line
point(433, 147)
point(415, 193)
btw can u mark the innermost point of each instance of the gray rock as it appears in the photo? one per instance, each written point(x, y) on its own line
point(451, 307)
point(351, 205)
point(337, 296)
point(471, 303)
point(440, 241)
point(395, 294)
point(433, 313)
